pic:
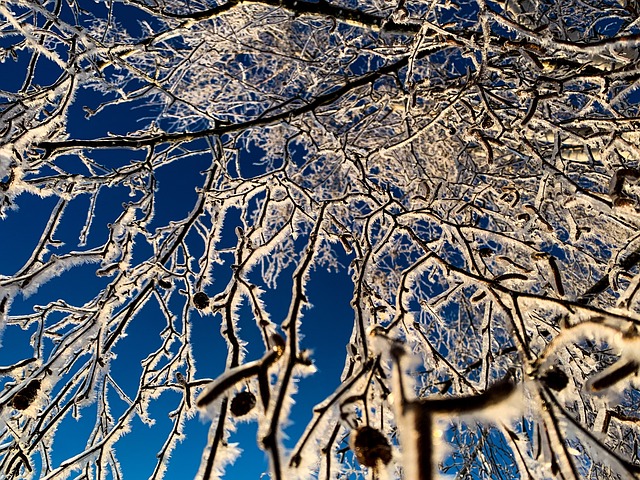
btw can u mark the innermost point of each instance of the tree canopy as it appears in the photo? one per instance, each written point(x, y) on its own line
point(471, 167)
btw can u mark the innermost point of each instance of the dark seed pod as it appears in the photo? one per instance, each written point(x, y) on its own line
point(26, 396)
point(164, 283)
point(555, 379)
point(243, 403)
point(370, 447)
point(200, 300)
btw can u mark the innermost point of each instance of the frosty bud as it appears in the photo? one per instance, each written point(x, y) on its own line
point(26, 396)
point(243, 403)
point(201, 300)
point(370, 447)
point(164, 283)
point(555, 379)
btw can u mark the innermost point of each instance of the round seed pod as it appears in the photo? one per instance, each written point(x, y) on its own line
point(26, 396)
point(555, 379)
point(201, 300)
point(370, 446)
point(243, 403)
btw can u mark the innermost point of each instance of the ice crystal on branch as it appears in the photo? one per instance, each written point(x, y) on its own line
point(175, 177)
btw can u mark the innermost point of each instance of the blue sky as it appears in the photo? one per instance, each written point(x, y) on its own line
point(326, 327)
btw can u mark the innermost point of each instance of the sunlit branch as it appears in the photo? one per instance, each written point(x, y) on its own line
point(310, 106)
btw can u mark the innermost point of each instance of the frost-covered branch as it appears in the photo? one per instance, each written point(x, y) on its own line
point(176, 175)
